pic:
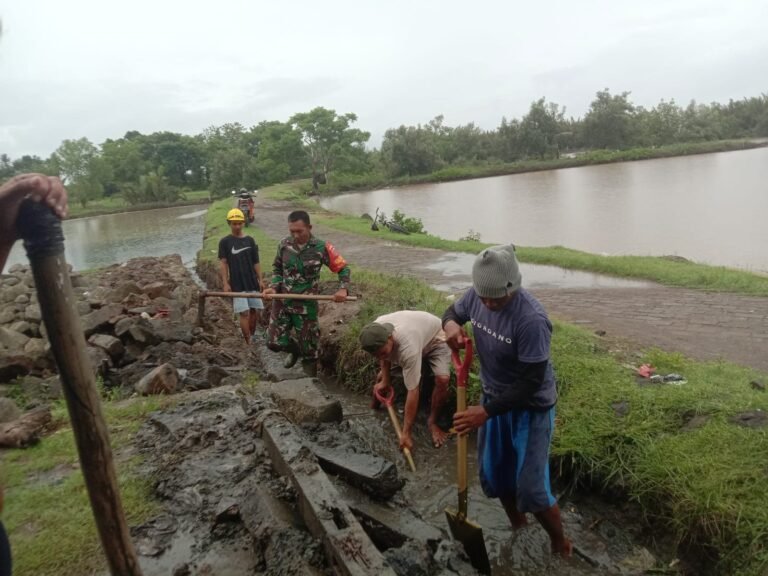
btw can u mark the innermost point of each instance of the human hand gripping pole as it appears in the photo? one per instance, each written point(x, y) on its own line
point(44, 243)
point(387, 399)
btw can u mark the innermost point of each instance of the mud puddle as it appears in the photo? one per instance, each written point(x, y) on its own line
point(607, 540)
point(455, 266)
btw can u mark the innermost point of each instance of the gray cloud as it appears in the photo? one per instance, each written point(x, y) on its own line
point(87, 68)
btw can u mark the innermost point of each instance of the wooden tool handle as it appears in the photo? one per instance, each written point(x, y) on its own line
point(461, 461)
point(396, 425)
point(44, 243)
point(276, 296)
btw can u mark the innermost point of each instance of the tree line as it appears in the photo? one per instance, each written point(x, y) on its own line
point(160, 167)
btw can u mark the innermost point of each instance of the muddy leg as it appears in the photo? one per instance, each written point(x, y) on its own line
point(253, 320)
point(517, 518)
point(245, 326)
point(552, 522)
point(439, 394)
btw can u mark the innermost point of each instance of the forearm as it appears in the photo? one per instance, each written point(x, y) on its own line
point(224, 273)
point(345, 276)
point(451, 315)
point(411, 408)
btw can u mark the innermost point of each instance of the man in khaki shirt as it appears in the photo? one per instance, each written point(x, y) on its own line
point(405, 339)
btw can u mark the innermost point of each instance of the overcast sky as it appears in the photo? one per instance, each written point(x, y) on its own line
point(98, 68)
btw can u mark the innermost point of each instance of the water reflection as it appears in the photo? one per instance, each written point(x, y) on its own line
point(709, 208)
point(104, 240)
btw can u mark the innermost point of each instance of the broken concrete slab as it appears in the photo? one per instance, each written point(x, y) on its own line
point(303, 402)
point(272, 523)
point(347, 545)
point(373, 474)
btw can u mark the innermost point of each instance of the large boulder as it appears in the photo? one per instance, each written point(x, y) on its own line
point(111, 345)
point(10, 293)
point(8, 314)
point(99, 319)
point(26, 328)
point(9, 281)
point(122, 291)
point(157, 290)
point(162, 380)
point(11, 339)
point(167, 331)
point(36, 349)
point(83, 308)
point(136, 330)
point(32, 313)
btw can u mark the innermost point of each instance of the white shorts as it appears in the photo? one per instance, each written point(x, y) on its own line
point(241, 305)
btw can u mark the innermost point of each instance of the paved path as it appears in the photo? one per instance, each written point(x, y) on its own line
point(702, 325)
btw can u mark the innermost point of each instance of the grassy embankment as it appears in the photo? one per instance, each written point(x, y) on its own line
point(47, 511)
point(115, 204)
point(667, 271)
point(705, 483)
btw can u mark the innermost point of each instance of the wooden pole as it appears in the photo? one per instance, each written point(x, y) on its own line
point(399, 432)
point(44, 242)
point(328, 297)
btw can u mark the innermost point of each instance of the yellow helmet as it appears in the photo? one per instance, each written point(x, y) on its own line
point(235, 215)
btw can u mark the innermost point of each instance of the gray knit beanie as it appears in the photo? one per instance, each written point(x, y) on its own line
point(495, 273)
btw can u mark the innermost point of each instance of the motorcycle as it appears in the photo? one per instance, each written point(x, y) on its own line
point(246, 205)
point(391, 224)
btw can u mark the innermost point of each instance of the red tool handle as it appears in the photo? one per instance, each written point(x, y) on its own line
point(385, 399)
point(462, 367)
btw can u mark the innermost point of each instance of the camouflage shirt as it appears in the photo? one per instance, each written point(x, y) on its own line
point(297, 271)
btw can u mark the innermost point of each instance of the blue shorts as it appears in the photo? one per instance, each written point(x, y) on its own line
point(241, 305)
point(513, 458)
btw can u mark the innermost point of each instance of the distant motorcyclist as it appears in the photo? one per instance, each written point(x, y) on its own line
point(247, 205)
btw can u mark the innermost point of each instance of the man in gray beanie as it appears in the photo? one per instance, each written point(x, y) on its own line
point(517, 413)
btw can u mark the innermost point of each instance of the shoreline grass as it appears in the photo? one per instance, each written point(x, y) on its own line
point(116, 205)
point(705, 484)
point(667, 271)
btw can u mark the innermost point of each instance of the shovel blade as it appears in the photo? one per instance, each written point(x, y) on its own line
point(471, 536)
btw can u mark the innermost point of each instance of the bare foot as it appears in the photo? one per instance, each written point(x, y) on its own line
point(439, 437)
point(562, 548)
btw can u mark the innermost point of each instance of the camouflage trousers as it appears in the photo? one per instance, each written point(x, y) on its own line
point(290, 331)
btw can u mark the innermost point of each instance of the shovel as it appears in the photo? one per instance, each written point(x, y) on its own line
point(44, 242)
point(387, 401)
point(462, 529)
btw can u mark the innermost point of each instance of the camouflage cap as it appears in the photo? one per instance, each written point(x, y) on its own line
point(374, 335)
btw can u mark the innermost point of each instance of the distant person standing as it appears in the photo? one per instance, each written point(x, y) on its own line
point(240, 271)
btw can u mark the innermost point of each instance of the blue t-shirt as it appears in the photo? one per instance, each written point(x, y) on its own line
point(519, 332)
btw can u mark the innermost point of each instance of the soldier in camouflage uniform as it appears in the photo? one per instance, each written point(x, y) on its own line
point(293, 324)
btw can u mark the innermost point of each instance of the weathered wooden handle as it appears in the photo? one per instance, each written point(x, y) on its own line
point(44, 242)
point(399, 432)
